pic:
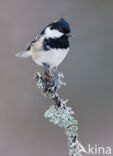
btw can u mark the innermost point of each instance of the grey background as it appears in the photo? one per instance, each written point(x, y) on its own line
point(88, 71)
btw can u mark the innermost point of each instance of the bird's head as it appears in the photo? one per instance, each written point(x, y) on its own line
point(57, 29)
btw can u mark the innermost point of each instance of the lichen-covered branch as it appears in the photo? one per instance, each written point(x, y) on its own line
point(60, 114)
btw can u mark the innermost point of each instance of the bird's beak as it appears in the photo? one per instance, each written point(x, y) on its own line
point(69, 35)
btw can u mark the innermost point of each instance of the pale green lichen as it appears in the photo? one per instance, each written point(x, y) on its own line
point(63, 118)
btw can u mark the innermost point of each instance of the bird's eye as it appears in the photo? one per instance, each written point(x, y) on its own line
point(51, 28)
point(60, 29)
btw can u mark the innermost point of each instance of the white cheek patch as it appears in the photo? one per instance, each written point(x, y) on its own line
point(52, 33)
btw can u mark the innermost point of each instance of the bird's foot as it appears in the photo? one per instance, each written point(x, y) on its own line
point(46, 68)
point(51, 82)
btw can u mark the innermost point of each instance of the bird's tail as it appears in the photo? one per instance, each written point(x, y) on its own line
point(24, 54)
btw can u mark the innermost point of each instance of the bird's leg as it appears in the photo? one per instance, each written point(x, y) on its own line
point(56, 80)
point(46, 68)
point(48, 79)
point(47, 72)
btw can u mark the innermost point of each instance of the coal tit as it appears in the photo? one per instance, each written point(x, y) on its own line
point(50, 47)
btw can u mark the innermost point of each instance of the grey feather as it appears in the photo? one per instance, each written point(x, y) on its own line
point(24, 54)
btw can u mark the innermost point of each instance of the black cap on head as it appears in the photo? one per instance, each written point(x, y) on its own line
point(61, 25)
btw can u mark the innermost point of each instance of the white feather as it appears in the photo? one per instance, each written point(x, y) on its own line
point(52, 57)
point(24, 54)
point(52, 33)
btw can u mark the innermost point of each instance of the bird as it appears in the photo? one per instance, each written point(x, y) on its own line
point(50, 47)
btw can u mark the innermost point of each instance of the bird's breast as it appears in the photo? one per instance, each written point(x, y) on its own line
point(52, 57)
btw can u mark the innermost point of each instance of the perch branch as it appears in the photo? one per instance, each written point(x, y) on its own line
point(60, 114)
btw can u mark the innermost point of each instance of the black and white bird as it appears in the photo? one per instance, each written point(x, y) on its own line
point(51, 46)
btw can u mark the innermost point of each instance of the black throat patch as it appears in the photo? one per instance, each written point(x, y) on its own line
point(58, 43)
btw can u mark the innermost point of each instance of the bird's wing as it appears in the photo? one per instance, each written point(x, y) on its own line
point(36, 43)
point(36, 39)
